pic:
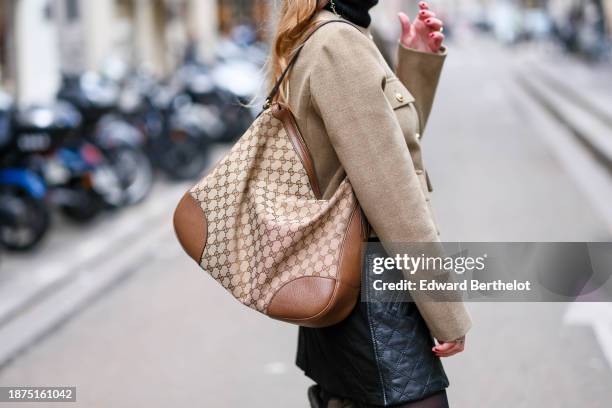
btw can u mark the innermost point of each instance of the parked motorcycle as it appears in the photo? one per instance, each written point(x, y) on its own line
point(79, 179)
point(222, 91)
point(24, 217)
point(241, 59)
point(121, 143)
point(178, 132)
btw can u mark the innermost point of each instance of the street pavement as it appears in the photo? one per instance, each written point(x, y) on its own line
point(161, 333)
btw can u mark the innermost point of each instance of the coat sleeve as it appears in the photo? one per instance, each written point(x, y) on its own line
point(420, 71)
point(346, 85)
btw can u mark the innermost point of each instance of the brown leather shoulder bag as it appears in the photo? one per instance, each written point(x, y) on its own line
point(258, 225)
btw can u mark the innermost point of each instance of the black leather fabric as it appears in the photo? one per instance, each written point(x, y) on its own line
point(379, 356)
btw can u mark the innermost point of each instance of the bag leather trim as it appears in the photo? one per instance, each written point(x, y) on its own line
point(190, 226)
point(303, 298)
point(349, 262)
point(282, 113)
point(344, 294)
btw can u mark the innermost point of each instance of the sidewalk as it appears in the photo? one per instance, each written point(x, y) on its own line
point(40, 290)
point(76, 264)
point(577, 93)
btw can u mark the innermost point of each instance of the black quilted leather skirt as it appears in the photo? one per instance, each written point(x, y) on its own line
point(379, 356)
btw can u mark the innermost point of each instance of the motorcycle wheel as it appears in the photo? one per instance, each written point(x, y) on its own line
point(25, 220)
point(135, 173)
point(184, 157)
point(89, 206)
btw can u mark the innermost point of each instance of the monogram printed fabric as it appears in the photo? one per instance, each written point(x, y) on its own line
point(265, 225)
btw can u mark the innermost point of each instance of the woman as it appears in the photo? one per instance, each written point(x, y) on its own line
point(358, 116)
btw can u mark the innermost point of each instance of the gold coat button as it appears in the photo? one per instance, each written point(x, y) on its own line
point(419, 172)
point(399, 97)
point(418, 136)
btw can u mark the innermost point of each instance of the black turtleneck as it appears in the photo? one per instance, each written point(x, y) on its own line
point(355, 11)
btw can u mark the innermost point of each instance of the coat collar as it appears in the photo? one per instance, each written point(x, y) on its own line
point(323, 15)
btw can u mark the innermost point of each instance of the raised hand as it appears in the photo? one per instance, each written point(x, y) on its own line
point(423, 34)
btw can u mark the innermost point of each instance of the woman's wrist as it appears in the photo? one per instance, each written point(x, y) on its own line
point(442, 51)
point(460, 340)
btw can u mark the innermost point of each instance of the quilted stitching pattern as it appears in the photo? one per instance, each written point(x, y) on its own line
point(402, 344)
point(265, 226)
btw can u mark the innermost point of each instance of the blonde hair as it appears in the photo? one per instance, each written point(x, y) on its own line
point(294, 20)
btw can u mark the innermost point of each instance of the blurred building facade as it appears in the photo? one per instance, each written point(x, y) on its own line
point(41, 39)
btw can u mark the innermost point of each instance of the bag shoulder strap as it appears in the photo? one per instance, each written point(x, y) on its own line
point(297, 51)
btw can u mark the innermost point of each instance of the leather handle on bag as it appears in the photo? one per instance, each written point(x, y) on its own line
point(299, 145)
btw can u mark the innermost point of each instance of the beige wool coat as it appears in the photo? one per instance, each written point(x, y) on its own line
point(360, 118)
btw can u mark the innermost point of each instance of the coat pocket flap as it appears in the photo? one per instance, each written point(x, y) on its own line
point(397, 94)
